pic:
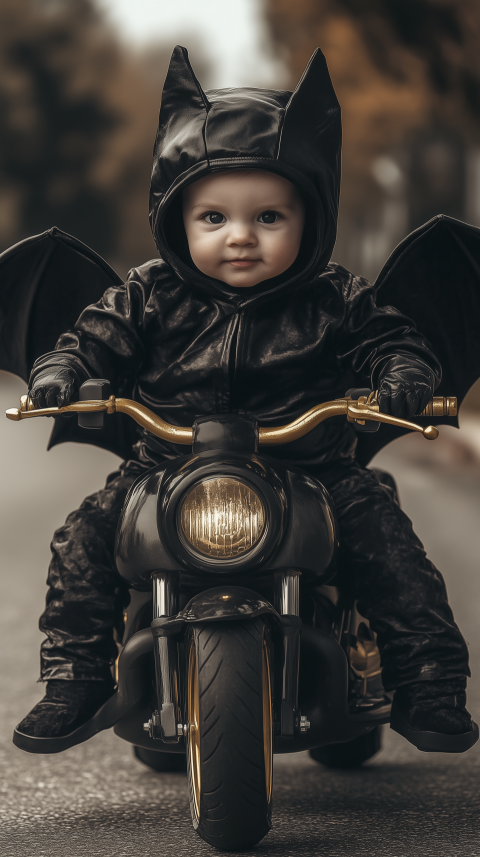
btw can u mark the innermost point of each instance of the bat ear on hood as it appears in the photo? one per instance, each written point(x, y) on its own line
point(312, 127)
point(314, 97)
point(184, 107)
point(181, 88)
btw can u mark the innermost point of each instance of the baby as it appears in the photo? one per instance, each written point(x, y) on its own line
point(242, 312)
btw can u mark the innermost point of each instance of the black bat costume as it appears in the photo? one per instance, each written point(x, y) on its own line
point(186, 345)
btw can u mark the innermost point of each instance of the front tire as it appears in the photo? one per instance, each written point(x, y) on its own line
point(230, 732)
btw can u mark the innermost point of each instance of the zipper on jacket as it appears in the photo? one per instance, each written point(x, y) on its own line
point(229, 358)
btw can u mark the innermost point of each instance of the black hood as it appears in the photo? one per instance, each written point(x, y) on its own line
point(297, 135)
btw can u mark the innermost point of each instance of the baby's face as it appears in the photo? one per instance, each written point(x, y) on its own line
point(243, 227)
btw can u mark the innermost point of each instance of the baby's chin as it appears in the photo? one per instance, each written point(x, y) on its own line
point(239, 283)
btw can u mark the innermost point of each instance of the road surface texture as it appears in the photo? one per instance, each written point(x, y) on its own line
point(97, 800)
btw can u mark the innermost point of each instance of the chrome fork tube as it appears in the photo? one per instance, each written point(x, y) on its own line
point(287, 593)
point(165, 603)
point(287, 603)
point(165, 594)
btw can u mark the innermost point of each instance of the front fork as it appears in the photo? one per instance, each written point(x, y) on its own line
point(165, 724)
point(287, 604)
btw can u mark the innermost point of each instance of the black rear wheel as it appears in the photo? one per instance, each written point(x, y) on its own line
point(230, 734)
point(351, 754)
point(162, 762)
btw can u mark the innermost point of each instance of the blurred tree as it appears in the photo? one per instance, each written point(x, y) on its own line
point(55, 119)
point(441, 33)
point(78, 114)
point(407, 74)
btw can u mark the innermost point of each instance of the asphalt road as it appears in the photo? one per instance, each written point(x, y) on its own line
point(96, 799)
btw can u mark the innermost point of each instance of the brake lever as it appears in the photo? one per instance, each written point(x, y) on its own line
point(27, 411)
point(361, 411)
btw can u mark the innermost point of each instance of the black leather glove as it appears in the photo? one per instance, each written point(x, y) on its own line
point(53, 387)
point(405, 386)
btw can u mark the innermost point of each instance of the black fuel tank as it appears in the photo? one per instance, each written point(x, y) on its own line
point(301, 529)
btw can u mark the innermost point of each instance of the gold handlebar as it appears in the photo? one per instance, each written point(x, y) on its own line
point(142, 415)
point(355, 411)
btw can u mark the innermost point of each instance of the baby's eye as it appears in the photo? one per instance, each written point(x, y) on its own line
point(214, 217)
point(268, 217)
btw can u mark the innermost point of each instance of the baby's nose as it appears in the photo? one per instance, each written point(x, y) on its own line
point(242, 235)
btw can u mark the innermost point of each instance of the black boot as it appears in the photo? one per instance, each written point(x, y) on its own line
point(432, 716)
point(66, 706)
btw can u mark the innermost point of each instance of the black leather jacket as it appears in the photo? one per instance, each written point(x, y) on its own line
point(189, 346)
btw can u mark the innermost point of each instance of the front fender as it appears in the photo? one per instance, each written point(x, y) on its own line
point(220, 604)
point(225, 602)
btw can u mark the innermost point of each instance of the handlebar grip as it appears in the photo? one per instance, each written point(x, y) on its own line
point(93, 389)
point(441, 406)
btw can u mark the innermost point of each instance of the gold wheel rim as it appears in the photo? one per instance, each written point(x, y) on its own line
point(193, 707)
point(267, 722)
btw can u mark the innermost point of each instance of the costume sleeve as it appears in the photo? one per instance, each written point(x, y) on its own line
point(107, 340)
point(372, 337)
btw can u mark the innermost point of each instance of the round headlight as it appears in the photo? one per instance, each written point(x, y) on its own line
point(222, 518)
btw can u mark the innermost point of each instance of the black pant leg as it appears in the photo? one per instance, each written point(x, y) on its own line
point(86, 594)
point(398, 589)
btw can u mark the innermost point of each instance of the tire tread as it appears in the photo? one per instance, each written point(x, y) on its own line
point(234, 811)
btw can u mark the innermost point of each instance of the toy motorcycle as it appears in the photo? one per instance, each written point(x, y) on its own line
point(237, 642)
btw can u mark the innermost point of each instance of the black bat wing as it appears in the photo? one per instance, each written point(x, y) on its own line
point(45, 283)
point(433, 277)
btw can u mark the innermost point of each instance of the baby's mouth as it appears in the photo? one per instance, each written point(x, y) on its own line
point(242, 263)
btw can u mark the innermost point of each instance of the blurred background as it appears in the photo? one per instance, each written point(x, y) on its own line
point(80, 88)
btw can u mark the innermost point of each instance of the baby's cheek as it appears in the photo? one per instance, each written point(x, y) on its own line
point(281, 253)
point(205, 255)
